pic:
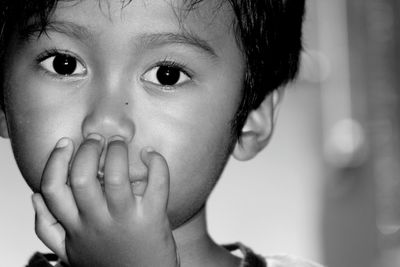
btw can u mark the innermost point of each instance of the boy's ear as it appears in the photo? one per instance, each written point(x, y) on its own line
point(3, 124)
point(258, 128)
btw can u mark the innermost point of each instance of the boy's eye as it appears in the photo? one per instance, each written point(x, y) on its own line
point(63, 64)
point(166, 76)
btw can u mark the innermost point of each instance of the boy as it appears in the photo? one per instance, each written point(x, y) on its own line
point(122, 116)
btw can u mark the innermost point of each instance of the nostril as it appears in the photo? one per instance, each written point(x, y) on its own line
point(109, 121)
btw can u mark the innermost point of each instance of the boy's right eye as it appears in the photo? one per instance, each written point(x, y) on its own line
point(62, 64)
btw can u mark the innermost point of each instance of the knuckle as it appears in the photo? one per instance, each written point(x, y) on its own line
point(114, 179)
point(48, 188)
point(79, 181)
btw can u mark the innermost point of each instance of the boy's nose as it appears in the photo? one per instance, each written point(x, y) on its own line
point(109, 117)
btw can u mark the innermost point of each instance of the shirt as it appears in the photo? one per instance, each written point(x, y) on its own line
point(249, 259)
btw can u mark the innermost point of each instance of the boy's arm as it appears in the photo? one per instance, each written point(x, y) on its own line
point(112, 228)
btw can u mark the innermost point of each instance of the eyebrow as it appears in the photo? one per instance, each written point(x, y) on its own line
point(155, 40)
point(144, 40)
point(70, 29)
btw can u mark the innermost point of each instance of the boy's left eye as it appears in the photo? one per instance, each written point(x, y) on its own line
point(166, 76)
point(63, 64)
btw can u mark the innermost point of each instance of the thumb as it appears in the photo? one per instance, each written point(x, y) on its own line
point(48, 229)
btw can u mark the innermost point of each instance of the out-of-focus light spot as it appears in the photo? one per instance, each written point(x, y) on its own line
point(387, 229)
point(346, 144)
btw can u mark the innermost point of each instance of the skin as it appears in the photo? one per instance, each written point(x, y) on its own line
point(115, 93)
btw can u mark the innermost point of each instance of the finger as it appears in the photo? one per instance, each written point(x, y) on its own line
point(48, 229)
point(116, 178)
point(157, 190)
point(57, 194)
point(85, 185)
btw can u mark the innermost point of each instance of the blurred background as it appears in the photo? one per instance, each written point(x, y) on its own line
point(327, 187)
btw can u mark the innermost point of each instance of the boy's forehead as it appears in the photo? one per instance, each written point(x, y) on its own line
point(210, 17)
point(117, 30)
point(206, 26)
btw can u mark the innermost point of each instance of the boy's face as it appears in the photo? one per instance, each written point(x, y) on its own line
point(138, 72)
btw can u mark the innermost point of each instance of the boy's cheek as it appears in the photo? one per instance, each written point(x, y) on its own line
point(31, 153)
point(37, 120)
point(33, 137)
point(195, 159)
point(31, 160)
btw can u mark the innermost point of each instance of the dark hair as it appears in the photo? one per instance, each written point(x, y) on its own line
point(268, 33)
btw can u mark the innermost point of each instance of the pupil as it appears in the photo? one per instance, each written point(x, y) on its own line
point(64, 64)
point(167, 75)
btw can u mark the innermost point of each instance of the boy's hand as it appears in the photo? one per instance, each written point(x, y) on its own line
point(89, 227)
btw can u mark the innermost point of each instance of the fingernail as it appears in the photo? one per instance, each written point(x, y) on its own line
point(63, 142)
point(116, 138)
point(149, 149)
point(95, 136)
point(146, 151)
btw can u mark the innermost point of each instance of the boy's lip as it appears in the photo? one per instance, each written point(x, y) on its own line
point(133, 178)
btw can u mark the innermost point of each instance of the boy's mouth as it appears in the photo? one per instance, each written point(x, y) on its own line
point(137, 182)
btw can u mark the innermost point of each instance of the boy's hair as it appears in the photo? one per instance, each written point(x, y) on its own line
point(268, 33)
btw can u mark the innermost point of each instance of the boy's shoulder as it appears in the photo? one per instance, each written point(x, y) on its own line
point(289, 261)
point(251, 259)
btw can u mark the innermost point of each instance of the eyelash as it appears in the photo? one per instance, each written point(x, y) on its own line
point(173, 64)
point(179, 66)
point(49, 53)
point(56, 52)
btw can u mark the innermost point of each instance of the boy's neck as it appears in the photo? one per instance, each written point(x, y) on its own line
point(196, 248)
